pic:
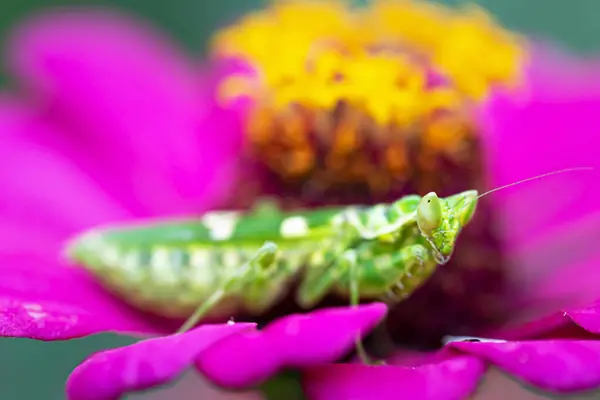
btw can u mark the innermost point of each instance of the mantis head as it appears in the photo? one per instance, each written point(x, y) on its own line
point(440, 220)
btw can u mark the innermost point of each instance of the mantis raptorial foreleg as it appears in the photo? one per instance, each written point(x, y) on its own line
point(320, 282)
point(404, 260)
point(261, 260)
point(319, 279)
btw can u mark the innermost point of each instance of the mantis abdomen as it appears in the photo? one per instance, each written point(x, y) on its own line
point(172, 281)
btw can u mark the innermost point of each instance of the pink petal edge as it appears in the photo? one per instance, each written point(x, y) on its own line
point(149, 363)
point(45, 300)
point(296, 341)
point(452, 379)
point(587, 317)
point(560, 366)
point(140, 122)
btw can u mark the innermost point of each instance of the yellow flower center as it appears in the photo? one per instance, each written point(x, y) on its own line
point(330, 81)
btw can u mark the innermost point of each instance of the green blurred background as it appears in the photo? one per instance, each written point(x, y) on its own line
point(37, 370)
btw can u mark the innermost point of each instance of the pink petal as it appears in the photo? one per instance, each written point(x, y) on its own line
point(548, 225)
point(43, 196)
point(43, 300)
point(497, 385)
point(296, 341)
point(452, 379)
point(587, 317)
point(579, 74)
point(555, 365)
point(133, 106)
point(568, 285)
point(113, 373)
point(550, 126)
point(532, 328)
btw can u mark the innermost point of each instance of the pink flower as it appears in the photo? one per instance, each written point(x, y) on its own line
point(111, 124)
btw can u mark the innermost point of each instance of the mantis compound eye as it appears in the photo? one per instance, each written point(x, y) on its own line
point(429, 213)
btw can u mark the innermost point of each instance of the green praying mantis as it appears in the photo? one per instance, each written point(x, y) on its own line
point(226, 263)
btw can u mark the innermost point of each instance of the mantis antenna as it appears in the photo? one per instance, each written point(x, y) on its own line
point(560, 171)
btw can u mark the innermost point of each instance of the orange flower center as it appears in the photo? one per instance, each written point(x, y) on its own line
point(370, 95)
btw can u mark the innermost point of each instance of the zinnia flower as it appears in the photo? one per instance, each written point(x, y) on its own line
point(314, 103)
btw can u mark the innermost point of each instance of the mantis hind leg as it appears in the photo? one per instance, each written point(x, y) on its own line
point(262, 259)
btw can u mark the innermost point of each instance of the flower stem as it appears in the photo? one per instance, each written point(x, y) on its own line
point(286, 385)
